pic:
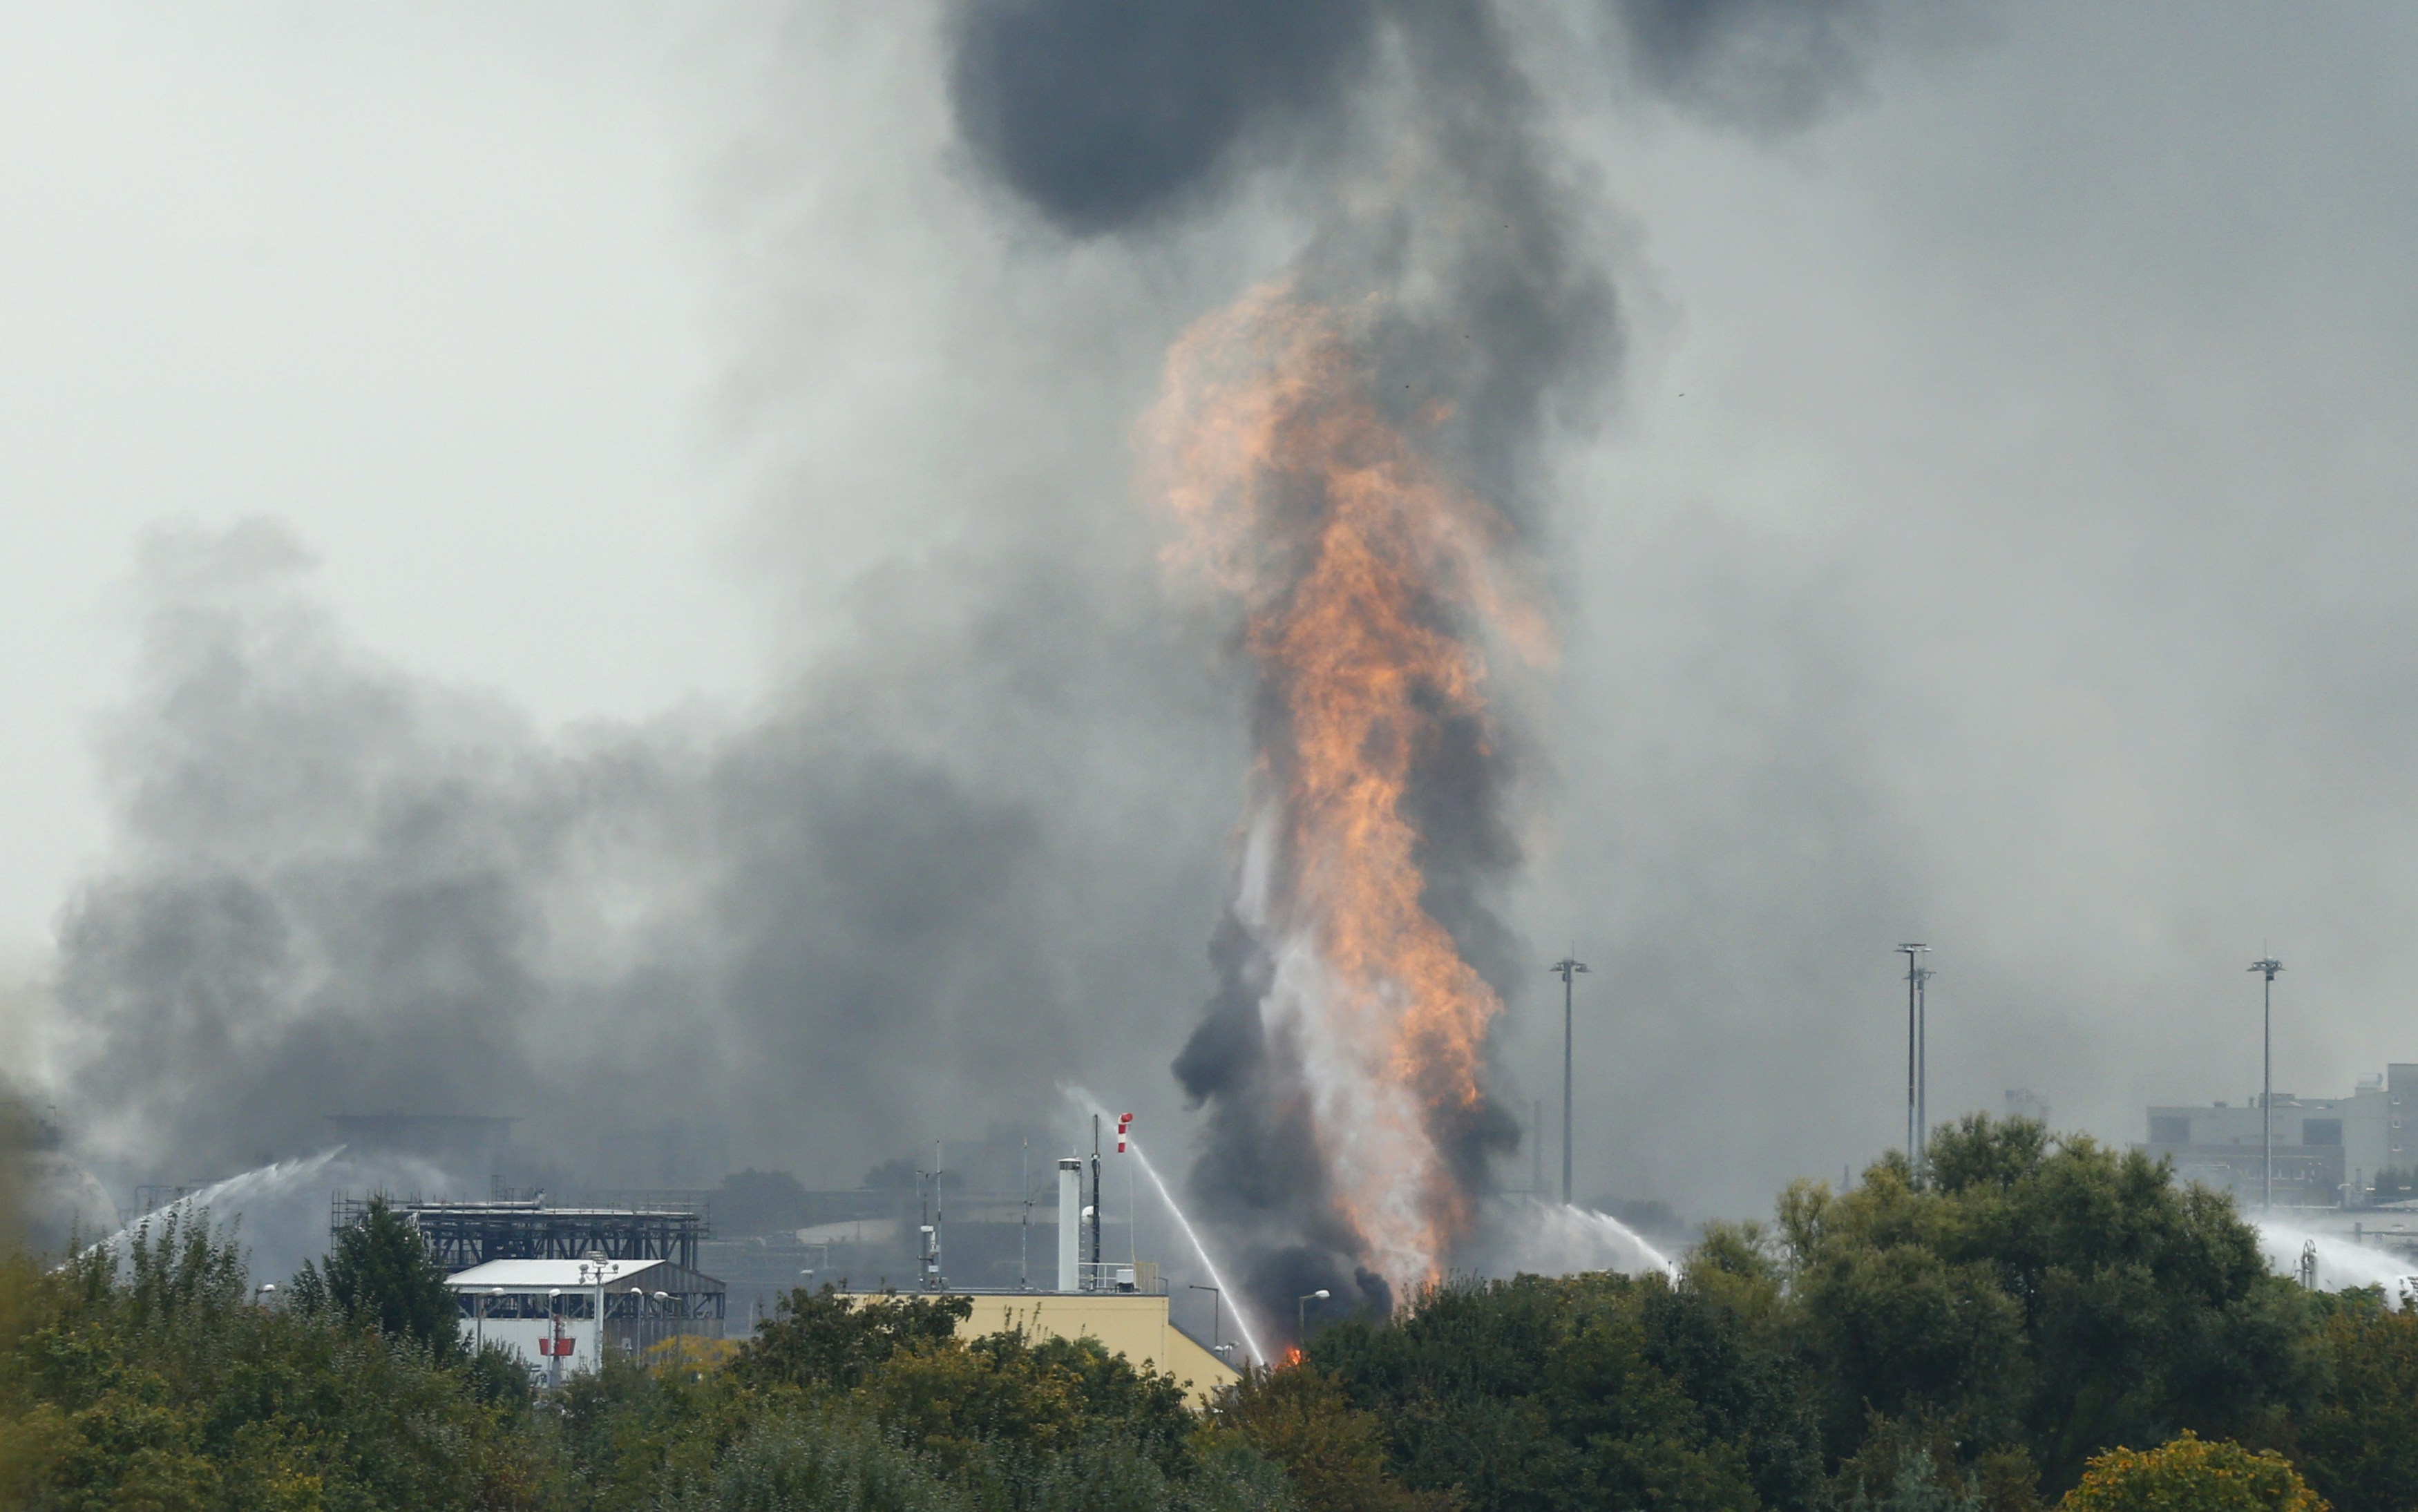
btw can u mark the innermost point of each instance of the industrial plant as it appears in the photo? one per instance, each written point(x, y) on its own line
point(563, 1283)
point(2283, 1149)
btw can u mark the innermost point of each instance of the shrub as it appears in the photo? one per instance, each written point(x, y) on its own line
point(2191, 1474)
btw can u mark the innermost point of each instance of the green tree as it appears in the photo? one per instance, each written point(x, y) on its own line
point(1603, 1388)
point(381, 1274)
point(1025, 1398)
point(151, 1380)
point(2052, 1295)
point(1333, 1452)
point(829, 1462)
point(2358, 1443)
point(2191, 1474)
point(827, 1339)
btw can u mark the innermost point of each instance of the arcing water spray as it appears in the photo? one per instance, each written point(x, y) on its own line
point(1233, 1300)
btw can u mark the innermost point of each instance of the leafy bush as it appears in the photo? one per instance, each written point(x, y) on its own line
point(2191, 1474)
point(825, 1339)
point(2358, 1442)
point(828, 1463)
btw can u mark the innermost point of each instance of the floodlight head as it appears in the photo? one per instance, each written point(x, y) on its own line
point(2269, 965)
point(1912, 949)
point(1321, 1294)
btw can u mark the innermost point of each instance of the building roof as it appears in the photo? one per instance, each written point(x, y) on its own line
point(546, 1274)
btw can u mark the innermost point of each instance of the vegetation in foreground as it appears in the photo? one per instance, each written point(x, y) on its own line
point(2041, 1324)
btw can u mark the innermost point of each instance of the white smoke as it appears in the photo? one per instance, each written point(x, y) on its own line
point(2341, 1264)
point(1529, 1235)
point(280, 1212)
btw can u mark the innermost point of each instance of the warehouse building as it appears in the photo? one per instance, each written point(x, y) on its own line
point(562, 1316)
point(2329, 1152)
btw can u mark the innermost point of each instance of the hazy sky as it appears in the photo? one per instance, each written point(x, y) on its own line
point(1999, 532)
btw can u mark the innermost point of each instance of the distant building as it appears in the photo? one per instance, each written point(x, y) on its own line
point(547, 1311)
point(2328, 1151)
point(537, 1278)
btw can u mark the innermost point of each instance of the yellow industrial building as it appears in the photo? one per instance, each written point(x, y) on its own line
point(1124, 1306)
point(1132, 1324)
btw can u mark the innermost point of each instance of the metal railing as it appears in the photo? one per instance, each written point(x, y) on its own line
point(1137, 1276)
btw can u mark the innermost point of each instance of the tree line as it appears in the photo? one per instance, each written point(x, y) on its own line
point(2038, 1324)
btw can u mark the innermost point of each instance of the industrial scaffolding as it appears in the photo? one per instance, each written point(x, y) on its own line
point(460, 1235)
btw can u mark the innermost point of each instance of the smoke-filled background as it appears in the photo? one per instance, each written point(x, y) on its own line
point(599, 570)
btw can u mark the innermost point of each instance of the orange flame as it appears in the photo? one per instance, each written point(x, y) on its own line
point(1367, 581)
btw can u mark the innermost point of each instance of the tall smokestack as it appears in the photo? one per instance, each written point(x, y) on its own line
point(1070, 1223)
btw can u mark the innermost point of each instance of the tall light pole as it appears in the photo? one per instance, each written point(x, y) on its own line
point(2267, 965)
point(1568, 968)
point(1922, 975)
point(1913, 952)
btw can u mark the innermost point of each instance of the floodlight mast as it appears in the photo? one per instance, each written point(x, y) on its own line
point(1913, 952)
point(2267, 965)
point(1568, 968)
point(1922, 975)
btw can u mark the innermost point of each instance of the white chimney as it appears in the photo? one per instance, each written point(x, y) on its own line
point(1070, 1225)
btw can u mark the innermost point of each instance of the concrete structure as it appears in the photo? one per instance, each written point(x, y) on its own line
point(2328, 1149)
point(1132, 1324)
point(547, 1311)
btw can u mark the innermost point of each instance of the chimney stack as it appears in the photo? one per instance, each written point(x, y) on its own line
point(1070, 1223)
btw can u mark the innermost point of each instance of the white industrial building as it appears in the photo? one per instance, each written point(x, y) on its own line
point(2328, 1151)
point(562, 1316)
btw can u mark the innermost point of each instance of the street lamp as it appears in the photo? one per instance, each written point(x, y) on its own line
point(479, 1312)
point(1217, 1314)
point(1913, 952)
point(1301, 1310)
point(2269, 966)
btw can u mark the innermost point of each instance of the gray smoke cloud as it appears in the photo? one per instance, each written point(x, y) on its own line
point(913, 884)
point(1106, 116)
point(343, 890)
point(1763, 65)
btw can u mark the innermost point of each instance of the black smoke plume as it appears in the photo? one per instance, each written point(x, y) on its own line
point(1453, 216)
